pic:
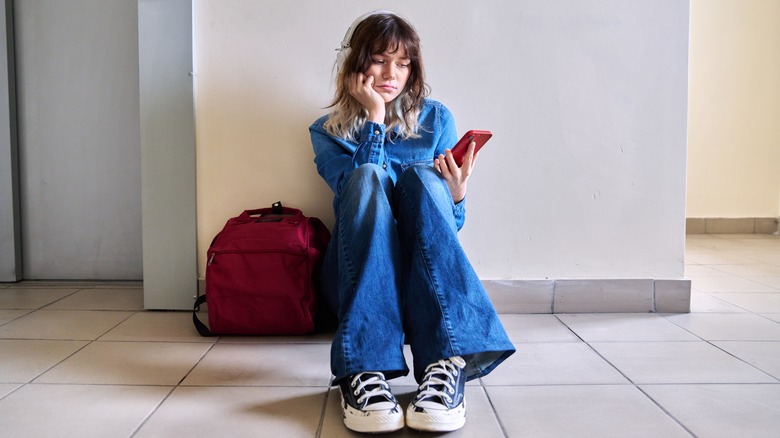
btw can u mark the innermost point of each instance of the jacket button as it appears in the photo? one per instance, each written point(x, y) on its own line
point(384, 166)
point(376, 132)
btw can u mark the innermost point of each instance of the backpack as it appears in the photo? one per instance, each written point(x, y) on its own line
point(261, 274)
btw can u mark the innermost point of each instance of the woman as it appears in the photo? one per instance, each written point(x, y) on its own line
point(394, 271)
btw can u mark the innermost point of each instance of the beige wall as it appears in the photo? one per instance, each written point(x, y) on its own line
point(734, 109)
point(585, 174)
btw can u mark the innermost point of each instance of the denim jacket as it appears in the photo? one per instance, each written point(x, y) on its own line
point(337, 158)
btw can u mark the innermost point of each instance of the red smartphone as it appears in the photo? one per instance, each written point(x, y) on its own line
point(460, 148)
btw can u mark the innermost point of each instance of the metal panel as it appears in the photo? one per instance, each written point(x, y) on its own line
point(167, 153)
point(10, 230)
point(79, 155)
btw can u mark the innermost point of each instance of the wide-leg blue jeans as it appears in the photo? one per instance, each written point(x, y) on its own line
point(395, 273)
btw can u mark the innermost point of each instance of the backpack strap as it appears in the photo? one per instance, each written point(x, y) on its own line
point(202, 329)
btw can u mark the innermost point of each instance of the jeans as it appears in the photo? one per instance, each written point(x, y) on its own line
point(395, 273)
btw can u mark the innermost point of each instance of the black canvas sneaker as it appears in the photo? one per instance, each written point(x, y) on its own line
point(367, 404)
point(440, 404)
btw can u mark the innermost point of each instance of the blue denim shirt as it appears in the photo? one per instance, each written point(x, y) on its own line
point(337, 158)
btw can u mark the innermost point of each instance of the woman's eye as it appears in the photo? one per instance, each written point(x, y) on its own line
point(378, 61)
point(404, 65)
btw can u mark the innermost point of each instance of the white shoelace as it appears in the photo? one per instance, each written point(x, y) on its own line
point(449, 368)
point(377, 380)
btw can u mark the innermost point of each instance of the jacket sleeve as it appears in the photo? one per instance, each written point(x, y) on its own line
point(337, 158)
point(445, 123)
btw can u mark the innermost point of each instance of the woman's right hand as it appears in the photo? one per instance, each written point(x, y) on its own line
point(361, 87)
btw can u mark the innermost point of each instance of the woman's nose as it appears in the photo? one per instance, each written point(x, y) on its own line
point(389, 71)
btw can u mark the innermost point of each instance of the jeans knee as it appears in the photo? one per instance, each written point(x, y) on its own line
point(369, 187)
point(369, 171)
point(421, 180)
point(368, 178)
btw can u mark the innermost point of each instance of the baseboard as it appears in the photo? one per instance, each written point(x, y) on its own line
point(749, 225)
point(590, 296)
point(585, 296)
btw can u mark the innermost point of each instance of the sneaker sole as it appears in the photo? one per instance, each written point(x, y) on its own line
point(375, 425)
point(429, 426)
point(434, 422)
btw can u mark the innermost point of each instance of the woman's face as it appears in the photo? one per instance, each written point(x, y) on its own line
point(390, 72)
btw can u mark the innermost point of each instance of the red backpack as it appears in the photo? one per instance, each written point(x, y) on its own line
point(261, 274)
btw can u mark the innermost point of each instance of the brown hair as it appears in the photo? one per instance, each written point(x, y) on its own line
point(380, 33)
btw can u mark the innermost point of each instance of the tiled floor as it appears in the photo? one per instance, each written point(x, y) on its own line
point(85, 360)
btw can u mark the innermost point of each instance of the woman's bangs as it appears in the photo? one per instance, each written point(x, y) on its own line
point(392, 43)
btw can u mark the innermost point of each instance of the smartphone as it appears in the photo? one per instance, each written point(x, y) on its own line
point(460, 148)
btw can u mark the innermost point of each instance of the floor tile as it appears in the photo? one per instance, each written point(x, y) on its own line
point(678, 362)
point(715, 258)
point(79, 411)
point(536, 328)
point(625, 327)
point(769, 281)
point(728, 326)
point(102, 299)
point(555, 385)
point(7, 316)
point(157, 326)
point(553, 364)
point(263, 365)
point(750, 271)
point(7, 388)
point(729, 284)
point(773, 316)
point(31, 298)
point(316, 338)
point(692, 271)
point(753, 302)
point(762, 355)
point(128, 363)
point(62, 324)
point(23, 360)
point(481, 421)
point(706, 303)
point(237, 412)
point(581, 411)
point(722, 410)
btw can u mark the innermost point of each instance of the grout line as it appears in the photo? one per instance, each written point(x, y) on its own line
point(664, 410)
point(742, 360)
point(62, 298)
point(632, 383)
point(21, 385)
point(318, 434)
point(192, 368)
point(29, 311)
point(60, 362)
point(154, 411)
point(493, 407)
point(595, 351)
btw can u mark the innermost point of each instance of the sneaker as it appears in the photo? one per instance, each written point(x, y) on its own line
point(367, 404)
point(440, 404)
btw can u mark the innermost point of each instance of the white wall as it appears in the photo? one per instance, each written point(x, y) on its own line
point(734, 113)
point(585, 175)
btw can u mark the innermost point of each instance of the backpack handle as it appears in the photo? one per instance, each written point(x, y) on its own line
point(276, 209)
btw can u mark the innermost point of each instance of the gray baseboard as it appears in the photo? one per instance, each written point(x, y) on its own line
point(590, 296)
point(748, 225)
point(585, 296)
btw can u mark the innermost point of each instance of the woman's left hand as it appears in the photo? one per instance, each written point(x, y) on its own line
point(456, 177)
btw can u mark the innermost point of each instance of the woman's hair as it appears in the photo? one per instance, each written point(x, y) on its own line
point(379, 33)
